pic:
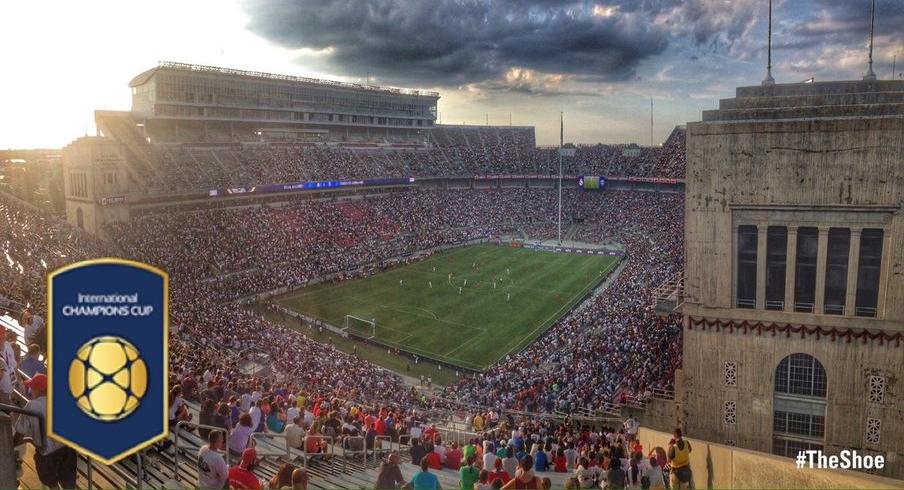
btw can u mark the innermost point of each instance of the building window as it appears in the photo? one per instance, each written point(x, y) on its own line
point(776, 258)
point(798, 424)
point(873, 431)
point(790, 447)
point(805, 274)
point(800, 374)
point(746, 285)
point(868, 272)
point(877, 389)
point(730, 373)
point(799, 405)
point(837, 255)
point(730, 412)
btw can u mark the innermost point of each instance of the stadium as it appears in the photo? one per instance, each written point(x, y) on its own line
point(351, 279)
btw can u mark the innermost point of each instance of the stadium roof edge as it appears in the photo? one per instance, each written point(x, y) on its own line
point(479, 126)
point(146, 75)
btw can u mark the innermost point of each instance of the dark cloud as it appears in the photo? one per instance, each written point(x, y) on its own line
point(553, 47)
point(467, 41)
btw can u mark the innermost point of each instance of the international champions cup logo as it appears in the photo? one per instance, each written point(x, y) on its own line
point(108, 378)
point(107, 357)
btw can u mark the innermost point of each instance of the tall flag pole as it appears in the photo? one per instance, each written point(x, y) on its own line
point(561, 145)
point(651, 122)
point(870, 75)
point(769, 80)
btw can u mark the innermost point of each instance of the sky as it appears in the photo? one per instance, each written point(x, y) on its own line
point(522, 61)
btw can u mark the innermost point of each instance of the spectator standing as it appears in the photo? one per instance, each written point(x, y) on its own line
point(680, 460)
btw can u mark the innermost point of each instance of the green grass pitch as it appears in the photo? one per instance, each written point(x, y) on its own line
point(471, 327)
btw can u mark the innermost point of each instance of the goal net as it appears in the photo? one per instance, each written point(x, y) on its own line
point(359, 327)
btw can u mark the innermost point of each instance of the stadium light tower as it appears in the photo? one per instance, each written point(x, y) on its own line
point(562, 153)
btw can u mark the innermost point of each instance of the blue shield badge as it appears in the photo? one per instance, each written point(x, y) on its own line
point(107, 328)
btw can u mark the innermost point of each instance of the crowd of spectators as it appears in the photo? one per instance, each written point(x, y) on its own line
point(33, 244)
point(612, 344)
point(510, 452)
point(483, 151)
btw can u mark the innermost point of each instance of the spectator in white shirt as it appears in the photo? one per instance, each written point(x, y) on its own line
point(212, 468)
point(257, 415)
point(295, 434)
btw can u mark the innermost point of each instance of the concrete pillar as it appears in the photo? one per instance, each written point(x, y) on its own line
point(761, 265)
point(732, 302)
point(853, 264)
point(790, 268)
point(821, 252)
point(883, 273)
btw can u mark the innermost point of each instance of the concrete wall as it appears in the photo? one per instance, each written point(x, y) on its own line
point(839, 172)
point(848, 368)
point(719, 466)
point(821, 155)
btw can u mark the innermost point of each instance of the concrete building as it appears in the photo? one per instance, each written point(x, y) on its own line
point(95, 183)
point(794, 280)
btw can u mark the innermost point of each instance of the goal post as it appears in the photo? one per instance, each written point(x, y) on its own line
point(359, 327)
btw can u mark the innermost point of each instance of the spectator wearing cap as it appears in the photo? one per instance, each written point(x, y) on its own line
point(55, 463)
point(242, 476)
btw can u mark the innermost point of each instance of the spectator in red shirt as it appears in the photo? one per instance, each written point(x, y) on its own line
point(433, 459)
point(241, 476)
point(429, 434)
point(498, 473)
point(560, 462)
point(453, 457)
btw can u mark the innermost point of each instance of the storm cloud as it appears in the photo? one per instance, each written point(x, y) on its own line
point(448, 43)
point(554, 47)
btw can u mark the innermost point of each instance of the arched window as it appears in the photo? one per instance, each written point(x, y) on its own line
point(800, 374)
point(799, 405)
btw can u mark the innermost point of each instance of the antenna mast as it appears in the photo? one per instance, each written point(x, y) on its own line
point(769, 80)
point(870, 75)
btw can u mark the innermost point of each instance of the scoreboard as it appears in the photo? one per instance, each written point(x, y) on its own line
point(591, 182)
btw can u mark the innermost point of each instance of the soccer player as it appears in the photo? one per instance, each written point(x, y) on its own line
point(459, 289)
point(508, 296)
point(430, 283)
point(400, 282)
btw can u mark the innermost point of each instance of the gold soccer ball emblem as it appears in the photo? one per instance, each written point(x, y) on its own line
point(108, 378)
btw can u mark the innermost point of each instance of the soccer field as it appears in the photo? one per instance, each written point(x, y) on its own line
point(497, 300)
